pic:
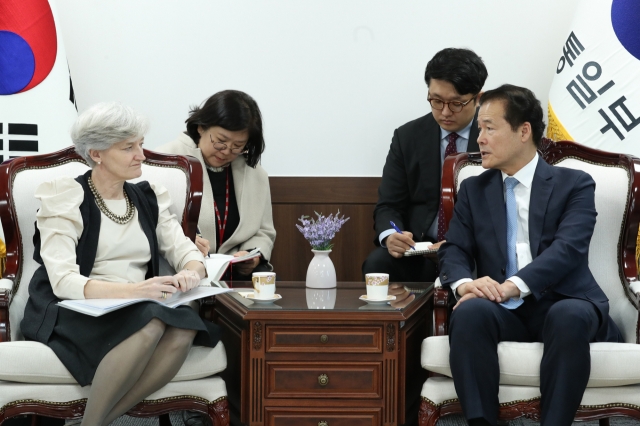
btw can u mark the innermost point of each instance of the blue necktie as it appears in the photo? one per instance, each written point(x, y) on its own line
point(512, 234)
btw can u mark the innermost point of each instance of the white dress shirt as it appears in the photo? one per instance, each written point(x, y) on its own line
point(522, 192)
point(461, 145)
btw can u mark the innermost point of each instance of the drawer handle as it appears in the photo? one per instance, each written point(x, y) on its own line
point(323, 380)
point(323, 423)
point(324, 339)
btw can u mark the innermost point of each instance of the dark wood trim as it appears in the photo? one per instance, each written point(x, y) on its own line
point(5, 326)
point(449, 174)
point(251, 378)
point(292, 197)
point(431, 413)
point(441, 311)
point(324, 190)
point(218, 411)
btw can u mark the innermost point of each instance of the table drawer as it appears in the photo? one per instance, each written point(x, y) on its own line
point(362, 380)
point(323, 417)
point(332, 339)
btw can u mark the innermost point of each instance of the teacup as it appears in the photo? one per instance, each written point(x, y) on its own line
point(264, 284)
point(377, 286)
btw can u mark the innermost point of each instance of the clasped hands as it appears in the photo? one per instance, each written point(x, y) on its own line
point(163, 287)
point(398, 243)
point(487, 288)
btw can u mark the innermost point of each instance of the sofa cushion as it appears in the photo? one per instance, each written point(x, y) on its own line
point(34, 362)
point(612, 364)
point(209, 389)
point(440, 390)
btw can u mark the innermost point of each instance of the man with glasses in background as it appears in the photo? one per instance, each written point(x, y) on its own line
point(409, 195)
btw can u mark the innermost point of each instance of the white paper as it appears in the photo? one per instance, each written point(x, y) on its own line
point(98, 307)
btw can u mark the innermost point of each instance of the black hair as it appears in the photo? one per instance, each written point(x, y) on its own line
point(232, 110)
point(520, 106)
point(460, 67)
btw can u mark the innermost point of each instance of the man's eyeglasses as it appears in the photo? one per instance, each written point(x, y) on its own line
point(454, 106)
point(219, 146)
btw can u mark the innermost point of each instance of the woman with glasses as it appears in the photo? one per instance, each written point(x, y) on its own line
point(225, 134)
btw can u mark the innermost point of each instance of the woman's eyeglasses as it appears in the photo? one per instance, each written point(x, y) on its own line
point(219, 146)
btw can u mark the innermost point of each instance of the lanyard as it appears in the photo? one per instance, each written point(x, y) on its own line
point(223, 224)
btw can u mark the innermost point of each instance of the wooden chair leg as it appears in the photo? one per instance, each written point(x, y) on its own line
point(165, 420)
point(604, 422)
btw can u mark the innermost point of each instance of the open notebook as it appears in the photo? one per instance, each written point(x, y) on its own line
point(421, 249)
point(98, 307)
point(218, 263)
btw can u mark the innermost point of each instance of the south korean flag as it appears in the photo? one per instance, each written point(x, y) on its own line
point(595, 95)
point(37, 103)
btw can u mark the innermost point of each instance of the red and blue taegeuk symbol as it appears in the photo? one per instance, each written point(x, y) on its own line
point(625, 15)
point(28, 44)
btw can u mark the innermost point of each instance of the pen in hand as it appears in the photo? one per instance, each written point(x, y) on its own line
point(398, 230)
point(199, 234)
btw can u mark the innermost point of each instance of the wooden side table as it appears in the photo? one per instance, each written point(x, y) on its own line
point(294, 363)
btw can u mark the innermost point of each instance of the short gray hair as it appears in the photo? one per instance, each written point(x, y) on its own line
point(104, 125)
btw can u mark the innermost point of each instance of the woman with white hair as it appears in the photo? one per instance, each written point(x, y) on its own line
point(99, 236)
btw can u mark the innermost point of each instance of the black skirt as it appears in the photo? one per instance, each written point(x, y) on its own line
point(81, 341)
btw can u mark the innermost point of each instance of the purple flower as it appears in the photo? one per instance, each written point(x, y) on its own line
point(319, 232)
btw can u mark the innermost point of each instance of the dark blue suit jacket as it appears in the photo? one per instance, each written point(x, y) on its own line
point(562, 217)
point(409, 193)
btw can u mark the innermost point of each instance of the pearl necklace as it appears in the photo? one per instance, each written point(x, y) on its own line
point(121, 220)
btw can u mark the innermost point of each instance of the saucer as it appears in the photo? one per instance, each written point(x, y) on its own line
point(251, 296)
point(389, 298)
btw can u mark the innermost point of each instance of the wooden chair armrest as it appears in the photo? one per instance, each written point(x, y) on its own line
point(441, 307)
point(207, 308)
point(6, 288)
point(635, 289)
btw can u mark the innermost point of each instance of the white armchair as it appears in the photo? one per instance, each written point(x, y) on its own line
point(32, 378)
point(614, 385)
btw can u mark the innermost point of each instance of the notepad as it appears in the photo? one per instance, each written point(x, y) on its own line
point(99, 307)
point(217, 263)
point(421, 249)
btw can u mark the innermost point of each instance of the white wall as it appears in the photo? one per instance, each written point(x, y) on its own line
point(333, 78)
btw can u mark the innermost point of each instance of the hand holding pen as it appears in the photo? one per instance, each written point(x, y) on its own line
point(399, 242)
point(202, 243)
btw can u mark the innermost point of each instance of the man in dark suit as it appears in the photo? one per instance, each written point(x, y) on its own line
point(409, 194)
point(525, 226)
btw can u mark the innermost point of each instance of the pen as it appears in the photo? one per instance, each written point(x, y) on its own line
point(199, 234)
point(398, 230)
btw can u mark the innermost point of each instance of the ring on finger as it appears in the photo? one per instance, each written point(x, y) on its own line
point(164, 294)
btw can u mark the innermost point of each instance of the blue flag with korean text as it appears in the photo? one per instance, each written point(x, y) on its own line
point(595, 95)
point(37, 103)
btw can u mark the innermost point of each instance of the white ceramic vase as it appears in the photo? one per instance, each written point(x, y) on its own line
point(321, 272)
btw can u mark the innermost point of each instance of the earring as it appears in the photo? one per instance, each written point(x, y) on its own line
point(99, 162)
